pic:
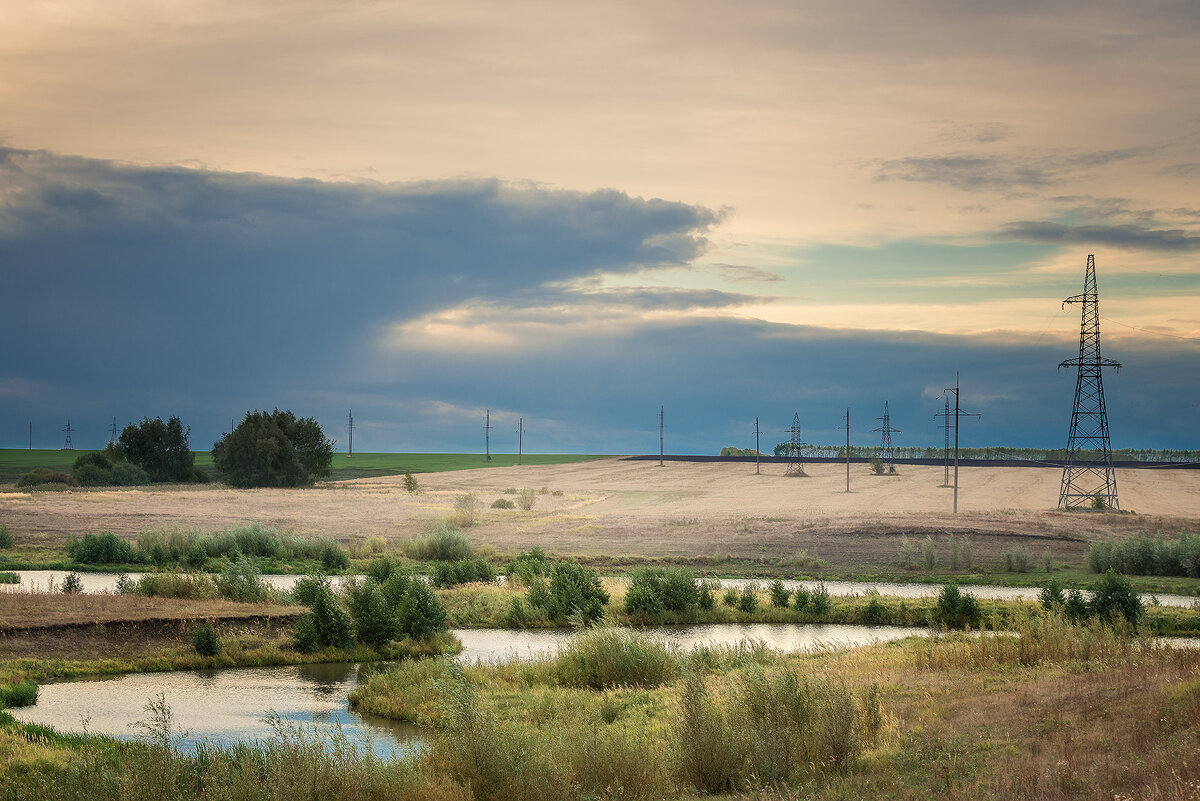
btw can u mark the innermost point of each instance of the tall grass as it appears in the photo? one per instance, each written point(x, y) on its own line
point(444, 543)
point(1147, 556)
point(608, 656)
point(23, 693)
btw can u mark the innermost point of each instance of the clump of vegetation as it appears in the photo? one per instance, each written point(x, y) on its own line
point(326, 624)
point(7, 577)
point(820, 603)
point(529, 565)
point(1113, 597)
point(205, 640)
point(108, 468)
point(160, 449)
point(781, 597)
point(956, 609)
point(72, 583)
point(444, 543)
point(503, 503)
point(410, 483)
point(655, 592)
point(929, 553)
point(241, 581)
point(6, 537)
point(23, 693)
point(730, 596)
point(704, 594)
point(748, 600)
point(908, 553)
point(525, 499)
point(105, 548)
point(573, 592)
point(1147, 556)
point(47, 478)
point(608, 656)
point(275, 449)
point(463, 571)
point(1018, 560)
point(466, 510)
point(172, 585)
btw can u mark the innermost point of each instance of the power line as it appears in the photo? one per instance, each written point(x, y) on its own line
point(487, 435)
point(662, 417)
point(795, 449)
point(67, 428)
point(847, 419)
point(887, 453)
point(350, 433)
point(958, 413)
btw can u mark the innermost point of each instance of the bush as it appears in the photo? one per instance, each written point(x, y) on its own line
point(105, 548)
point(89, 475)
point(781, 597)
point(445, 544)
point(161, 449)
point(381, 568)
point(41, 476)
point(525, 499)
point(956, 609)
point(334, 556)
point(274, 449)
point(908, 553)
point(608, 656)
point(205, 641)
point(929, 553)
point(124, 584)
point(410, 482)
point(503, 503)
point(1051, 596)
point(1018, 560)
point(730, 598)
point(1114, 596)
point(466, 510)
point(240, 581)
point(464, 571)
point(875, 612)
point(374, 620)
point(1076, 608)
point(326, 625)
point(802, 599)
point(820, 603)
point(124, 474)
point(573, 590)
point(653, 591)
point(22, 693)
point(748, 602)
point(173, 585)
point(420, 613)
point(6, 537)
point(7, 577)
point(704, 594)
point(307, 588)
point(529, 565)
point(1147, 556)
point(72, 584)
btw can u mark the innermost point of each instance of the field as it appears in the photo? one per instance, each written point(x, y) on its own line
point(618, 512)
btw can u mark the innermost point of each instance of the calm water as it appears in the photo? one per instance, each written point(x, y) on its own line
point(102, 582)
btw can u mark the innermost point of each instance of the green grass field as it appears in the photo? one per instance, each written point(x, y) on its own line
point(15, 462)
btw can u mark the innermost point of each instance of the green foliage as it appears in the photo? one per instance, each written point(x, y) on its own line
point(573, 590)
point(161, 449)
point(173, 585)
point(528, 565)
point(334, 556)
point(956, 609)
point(1076, 608)
point(444, 544)
point(420, 613)
point(205, 640)
point(307, 588)
point(1051, 596)
point(241, 581)
point(748, 601)
point(326, 625)
point(23, 693)
point(381, 568)
point(820, 603)
point(466, 510)
point(503, 503)
point(41, 476)
point(410, 483)
point(655, 591)
point(929, 553)
point(875, 612)
point(6, 537)
point(781, 597)
point(1147, 556)
point(374, 620)
point(802, 598)
point(1018, 560)
point(1113, 596)
point(908, 553)
point(7, 577)
point(877, 467)
point(608, 656)
point(463, 571)
point(704, 594)
point(739, 452)
point(274, 449)
point(72, 584)
point(730, 598)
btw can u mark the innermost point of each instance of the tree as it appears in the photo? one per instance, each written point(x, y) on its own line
point(161, 449)
point(274, 449)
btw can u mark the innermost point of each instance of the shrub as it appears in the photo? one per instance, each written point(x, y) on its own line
point(125, 474)
point(781, 597)
point(173, 585)
point(820, 603)
point(503, 503)
point(573, 590)
point(929, 553)
point(89, 475)
point(730, 598)
point(22, 693)
point(240, 581)
point(381, 568)
point(307, 588)
point(72, 583)
point(374, 621)
point(274, 449)
point(7, 577)
point(41, 476)
point(1146, 556)
point(748, 601)
point(125, 585)
point(1018, 560)
point(325, 625)
point(608, 656)
point(908, 553)
point(525, 499)
point(877, 467)
point(956, 609)
point(1076, 607)
point(463, 571)
point(704, 594)
point(1114, 596)
point(528, 565)
point(653, 591)
point(420, 613)
point(466, 510)
point(410, 482)
point(334, 556)
point(197, 555)
point(802, 598)
point(161, 449)
point(205, 641)
point(6, 537)
point(1051, 596)
point(95, 458)
point(105, 548)
point(444, 543)
point(874, 612)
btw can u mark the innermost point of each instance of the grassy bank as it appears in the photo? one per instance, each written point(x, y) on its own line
point(1056, 711)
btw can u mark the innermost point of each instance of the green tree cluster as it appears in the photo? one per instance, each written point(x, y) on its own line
point(160, 449)
point(273, 449)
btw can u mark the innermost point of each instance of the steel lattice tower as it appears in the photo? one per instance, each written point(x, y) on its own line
point(887, 453)
point(795, 449)
point(1088, 480)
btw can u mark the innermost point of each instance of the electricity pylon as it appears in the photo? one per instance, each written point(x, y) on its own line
point(1089, 480)
point(887, 453)
point(795, 449)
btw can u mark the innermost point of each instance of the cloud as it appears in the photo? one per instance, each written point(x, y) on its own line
point(1116, 236)
point(744, 272)
point(970, 172)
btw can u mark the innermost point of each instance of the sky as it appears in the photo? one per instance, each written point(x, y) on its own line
point(574, 215)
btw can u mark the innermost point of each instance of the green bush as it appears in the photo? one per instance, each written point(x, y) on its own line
point(608, 656)
point(161, 449)
point(802, 598)
point(929, 553)
point(72, 584)
point(125, 474)
point(241, 581)
point(574, 590)
point(1051, 596)
point(704, 594)
point(6, 537)
point(444, 544)
point(420, 613)
point(528, 565)
point(89, 475)
point(274, 449)
point(748, 601)
point(819, 602)
point(334, 556)
point(525, 499)
point(374, 619)
point(174, 585)
point(781, 597)
point(326, 625)
point(956, 609)
point(104, 548)
point(41, 476)
point(503, 503)
point(464, 571)
point(23, 693)
point(205, 641)
point(1113, 596)
point(1147, 556)
point(654, 591)
point(1018, 560)
point(410, 482)
point(381, 568)
point(307, 588)
point(730, 598)
point(1076, 608)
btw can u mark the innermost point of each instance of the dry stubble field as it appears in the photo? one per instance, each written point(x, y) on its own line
point(615, 508)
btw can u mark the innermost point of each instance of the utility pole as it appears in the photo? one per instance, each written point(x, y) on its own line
point(30, 435)
point(662, 411)
point(112, 433)
point(847, 449)
point(350, 431)
point(1089, 480)
point(67, 428)
point(945, 424)
point(520, 438)
point(757, 452)
point(958, 412)
point(487, 435)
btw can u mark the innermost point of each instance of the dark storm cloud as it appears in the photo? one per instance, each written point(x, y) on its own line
point(1117, 236)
